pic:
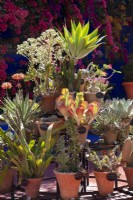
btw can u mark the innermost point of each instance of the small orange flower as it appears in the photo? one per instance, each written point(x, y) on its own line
point(19, 85)
point(6, 85)
point(18, 76)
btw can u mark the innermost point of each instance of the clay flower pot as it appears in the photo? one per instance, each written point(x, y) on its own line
point(48, 103)
point(6, 184)
point(69, 186)
point(82, 133)
point(45, 125)
point(32, 188)
point(128, 86)
point(105, 186)
point(110, 137)
point(129, 175)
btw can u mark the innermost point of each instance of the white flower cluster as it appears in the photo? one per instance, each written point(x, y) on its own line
point(46, 49)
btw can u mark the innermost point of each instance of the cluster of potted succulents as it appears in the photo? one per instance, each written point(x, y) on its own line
point(35, 126)
point(113, 120)
point(105, 169)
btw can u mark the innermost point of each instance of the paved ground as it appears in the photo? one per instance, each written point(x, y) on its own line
point(48, 190)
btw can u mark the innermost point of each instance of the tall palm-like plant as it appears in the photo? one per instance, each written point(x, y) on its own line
point(78, 44)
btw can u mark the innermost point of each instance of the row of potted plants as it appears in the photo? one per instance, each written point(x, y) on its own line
point(30, 156)
point(32, 141)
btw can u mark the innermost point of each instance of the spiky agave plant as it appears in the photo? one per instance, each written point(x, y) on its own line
point(20, 112)
point(78, 44)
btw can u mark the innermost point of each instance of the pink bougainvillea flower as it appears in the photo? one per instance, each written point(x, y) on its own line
point(6, 85)
point(18, 76)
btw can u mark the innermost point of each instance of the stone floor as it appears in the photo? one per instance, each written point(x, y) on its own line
point(48, 190)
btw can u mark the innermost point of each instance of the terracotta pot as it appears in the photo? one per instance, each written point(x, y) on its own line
point(32, 188)
point(6, 184)
point(83, 136)
point(129, 175)
point(90, 97)
point(128, 86)
point(110, 137)
point(48, 103)
point(105, 186)
point(56, 125)
point(69, 186)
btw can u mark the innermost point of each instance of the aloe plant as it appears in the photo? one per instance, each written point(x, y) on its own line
point(78, 44)
point(31, 158)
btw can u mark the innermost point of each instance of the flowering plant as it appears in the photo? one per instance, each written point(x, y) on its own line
point(78, 110)
point(95, 77)
point(44, 54)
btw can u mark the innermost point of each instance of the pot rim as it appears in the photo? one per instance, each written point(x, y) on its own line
point(127, 83)
point(58, 172)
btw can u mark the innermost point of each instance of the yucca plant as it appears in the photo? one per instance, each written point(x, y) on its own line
point(20, 112)
point(31, 158)
point(78, 44)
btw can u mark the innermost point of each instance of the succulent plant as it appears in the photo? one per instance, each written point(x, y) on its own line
point(78, 44)
point(114, 115)
point(106, 163)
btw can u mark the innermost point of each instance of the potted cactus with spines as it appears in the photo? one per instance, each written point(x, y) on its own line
point(105, 169)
